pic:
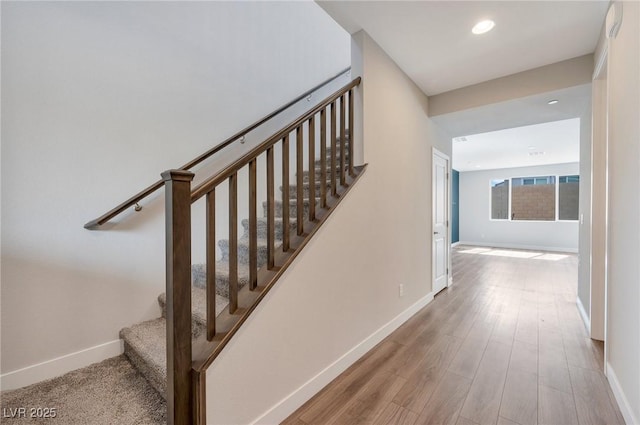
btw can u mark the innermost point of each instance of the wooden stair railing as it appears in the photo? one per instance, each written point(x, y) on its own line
point(187, 360)
point(239, 136)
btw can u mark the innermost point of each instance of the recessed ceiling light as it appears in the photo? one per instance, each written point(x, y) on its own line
point(553, 102)
point(532, 147)
point(483, 27)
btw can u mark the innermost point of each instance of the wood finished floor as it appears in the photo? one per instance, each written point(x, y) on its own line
point(504, 345)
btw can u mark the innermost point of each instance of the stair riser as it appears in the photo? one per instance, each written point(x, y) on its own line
point(243, 253)
point(222, 282)
point(293, 208)
point(197, 326)
point(305, 174)
point(328, 159)
point(262, 228)
point(157, 380)
point(293, 189)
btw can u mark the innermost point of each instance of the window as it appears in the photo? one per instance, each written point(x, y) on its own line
point(535, 198)
point(500, 199)
point(568, 197)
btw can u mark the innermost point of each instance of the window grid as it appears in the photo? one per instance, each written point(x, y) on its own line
point(565, 202)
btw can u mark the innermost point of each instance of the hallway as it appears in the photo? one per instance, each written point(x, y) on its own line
point(504, 344)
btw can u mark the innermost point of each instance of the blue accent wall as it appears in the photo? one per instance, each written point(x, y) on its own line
point(455, 206)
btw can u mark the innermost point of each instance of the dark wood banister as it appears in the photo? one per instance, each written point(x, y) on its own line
point(95, 224)
point(188, 359)
point(206, 186)
point(208, 351)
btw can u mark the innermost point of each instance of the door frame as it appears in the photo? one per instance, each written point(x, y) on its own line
point(437, 153)
point(599, 232)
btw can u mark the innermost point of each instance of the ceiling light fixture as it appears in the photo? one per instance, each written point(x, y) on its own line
point(532, 147)
point(553, 102)
point(483, 27)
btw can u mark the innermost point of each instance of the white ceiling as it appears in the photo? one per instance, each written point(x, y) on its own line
point(432, 40)
point(539, 144)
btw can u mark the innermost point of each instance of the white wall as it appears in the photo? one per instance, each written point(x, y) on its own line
point(343, 288)
point(548, 78)
point(476, 226)
point(98, 98)
point(623, 296)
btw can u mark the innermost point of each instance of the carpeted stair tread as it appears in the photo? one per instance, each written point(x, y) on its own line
point(293, 188)
point(318, 161)
point(318, 169)
point(243, 249)
point(198, 308)
point(145, 346)
point(261, 224)
point(305, 174)
point(199, 276)
point(145, 343)
point(107, 393)
point(242, 242)
point(293, 207)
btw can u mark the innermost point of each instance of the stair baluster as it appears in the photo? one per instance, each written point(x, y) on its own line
point(312, 168)
point(323, 158)
point(253, 225)
point(271, 210)
point(343, 137)
point(299, 187)
point(332, 171)
point(286, 240)
point(211, 264)
point(351, 170)
point(233, 243)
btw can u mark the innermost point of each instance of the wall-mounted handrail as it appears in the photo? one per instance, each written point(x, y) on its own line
point(95, 224)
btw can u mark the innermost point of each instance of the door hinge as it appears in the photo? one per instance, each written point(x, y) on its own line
point(447, 223)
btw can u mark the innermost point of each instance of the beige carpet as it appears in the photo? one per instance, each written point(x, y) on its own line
point(106, 393)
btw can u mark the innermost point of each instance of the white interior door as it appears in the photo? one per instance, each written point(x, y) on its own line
point(440, 227)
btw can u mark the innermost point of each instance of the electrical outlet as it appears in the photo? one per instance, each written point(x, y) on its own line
point(401, 290)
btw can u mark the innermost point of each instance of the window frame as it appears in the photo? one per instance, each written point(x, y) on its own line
point(558, 198)
point(509, 201)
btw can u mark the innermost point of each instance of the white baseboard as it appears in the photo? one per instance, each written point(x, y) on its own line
point(455, 244)
point(517, 246)
point(584, 315)
point(293, 401)
point(60, 365)
point(623, 402)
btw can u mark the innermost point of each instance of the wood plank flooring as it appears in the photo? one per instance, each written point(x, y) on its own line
point(504, 345)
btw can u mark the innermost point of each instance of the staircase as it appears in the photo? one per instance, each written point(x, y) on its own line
point(145, 342)
point(205, 304)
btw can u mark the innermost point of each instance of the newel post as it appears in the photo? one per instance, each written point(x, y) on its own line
point(178, 241)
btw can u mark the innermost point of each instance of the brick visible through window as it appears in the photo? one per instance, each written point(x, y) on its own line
point(500, 199)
